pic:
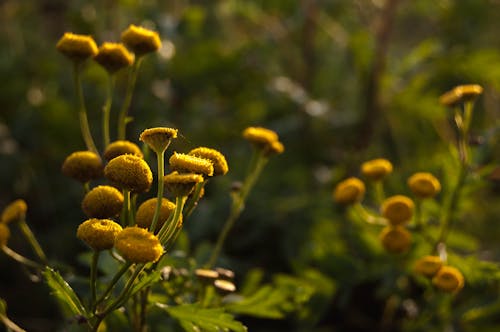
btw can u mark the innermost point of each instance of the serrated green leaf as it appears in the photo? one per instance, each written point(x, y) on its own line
point(267, 302)
point(194, 318)
point(63, 292)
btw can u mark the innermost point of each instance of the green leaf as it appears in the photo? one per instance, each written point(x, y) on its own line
point(146, 281)
point(194, 318)
point(267, 302)
point(63, 292)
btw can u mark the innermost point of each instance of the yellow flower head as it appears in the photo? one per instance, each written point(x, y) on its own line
point(146, 211)
point(158, 139)
point(15, 211)
point(428, 266)
point(215, 157)
point(376, 169)
point(460, 93)
point(4, 234)
point(181, 184)
point(129, 172)
point(398, 209)
point(117, 148)
point(77, 47)
point(185, 163)
point(98, 234)
point(424, 185)
point(83, 166)
point(206, 276)
point(275, 148)
point(141, 40)
point(349, 191)
point(113, 57)
point(448, 279)
point(260, 136)
point(395, 239)
point(102, 202)
point(137, 245)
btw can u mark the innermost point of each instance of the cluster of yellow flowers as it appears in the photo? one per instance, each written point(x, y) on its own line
point(396, 213)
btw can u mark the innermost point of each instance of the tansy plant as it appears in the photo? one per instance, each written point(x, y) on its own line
point(134, 276)
point(415, 227)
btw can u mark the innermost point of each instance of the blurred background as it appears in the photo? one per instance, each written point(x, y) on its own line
point(341, 82)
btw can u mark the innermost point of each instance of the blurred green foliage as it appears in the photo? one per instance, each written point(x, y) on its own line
point(340, 81)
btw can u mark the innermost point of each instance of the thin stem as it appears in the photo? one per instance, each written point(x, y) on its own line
point(193, 200)
point(82, 111)
point(107, 109)
point(238, 204)
point(379, 193)
point(122, 117)
point(159, 197)
point(10, 325)
point(21, 259)
point(93, 279)
point(166, 233)
point(369, 217)
point(126, 208)
point(113, 282)
point(419, 222)
point(26, 230)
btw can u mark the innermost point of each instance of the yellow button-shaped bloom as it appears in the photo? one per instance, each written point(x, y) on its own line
point(275, 148)
point(4, 234)
point(181, 184)
point(83, 166)
point(376, 169)
point(460, 94)
point(98, 234)
point(260, 136)
point(215, 157)
point(159, 138)
point(184, 163)
point(15, 211)
point(77, 47)
point(448, 279)
point(129, 172)
point(349, 191)
point(398, 209)
point(137, 245)
point(428, 266)
point(102, 202)
point(395, 239)
point(424, 185)
point(141, 40)
point(146, 211)
point(117, 148)
point(113, 57)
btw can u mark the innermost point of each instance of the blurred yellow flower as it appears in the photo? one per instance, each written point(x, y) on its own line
point(129, 172)
point(99, 234)
point(146, 211)
point(349, 191)
point(395, 239)
point(460, 93)
point(260, 136)
point(4, 234)
point(102, 202)
point(398, 209)
point(141, 40)
point(376, 169)
point(137, 245)
point(424, 185)
point(215, 157)
point(117, 148)
point(428, 266)
point(77, 47)
point(83, 166)
point(448, 279)
point(15, 211)
point(113, 57)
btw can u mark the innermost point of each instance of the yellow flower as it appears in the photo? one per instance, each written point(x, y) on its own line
point(428, 266)
point(275, 148)
point(146, 211)
point(77, 47)
point(99, 234)
point(129, 172)
point(448, 279)
point(185, 163)
point(206, 276)
point(117, 148)
point(113, 57)
point(424, 185)
point(395, 239)
point(260, 136)
point(4, 234)
point(137, 245)
point(15, 211)
point(141, 40)
point(349, 191)
point(102, 202)
point(181, 184)
point(398, 209)
point(460, 93)
point(158, 139)
point(215, 157)
point(83, 166)
point(376, 169)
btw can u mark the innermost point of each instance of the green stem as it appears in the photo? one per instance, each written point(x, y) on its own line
point(379, 192)
point(26, 230)
point(193, 200)
point(125, 219)
point(106, 110)
point(113, 282)
point(122, 116)
point(159, 197)
point(419, 221)
point(369, 217)
point(168, 230)
point(93, 279)
point(238, 204)
point(82, 111)
point(21, 259)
